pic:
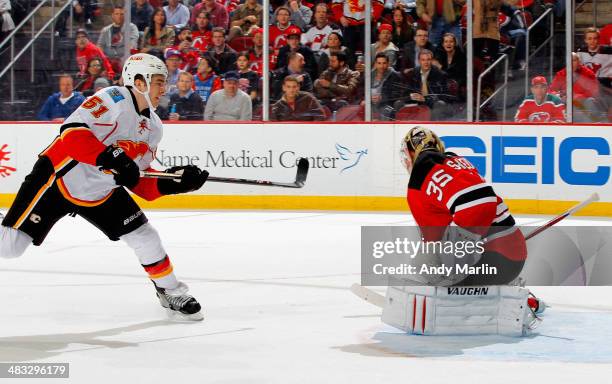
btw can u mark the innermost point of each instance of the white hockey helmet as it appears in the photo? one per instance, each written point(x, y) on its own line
point(145, 65)
point(416, 141)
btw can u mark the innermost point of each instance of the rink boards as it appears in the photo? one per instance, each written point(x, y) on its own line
point(536, 168)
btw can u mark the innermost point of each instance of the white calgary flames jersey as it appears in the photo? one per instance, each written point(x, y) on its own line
point(111, 114)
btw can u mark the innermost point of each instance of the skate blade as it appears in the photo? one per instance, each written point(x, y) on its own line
point(182, 317)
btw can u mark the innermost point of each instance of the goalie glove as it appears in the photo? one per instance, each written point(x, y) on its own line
point(191, 179)
point(125, 170)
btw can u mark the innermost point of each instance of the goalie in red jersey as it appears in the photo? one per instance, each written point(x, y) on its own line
point(451, 201)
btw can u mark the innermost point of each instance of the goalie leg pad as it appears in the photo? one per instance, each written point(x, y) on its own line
point(477, 310)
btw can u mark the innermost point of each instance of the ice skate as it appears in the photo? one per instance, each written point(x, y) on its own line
point(179, 304)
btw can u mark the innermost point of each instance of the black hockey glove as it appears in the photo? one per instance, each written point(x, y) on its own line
point(192, 179)
point(125, 170)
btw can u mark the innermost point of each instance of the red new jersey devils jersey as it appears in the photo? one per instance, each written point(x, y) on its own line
point(445, 188)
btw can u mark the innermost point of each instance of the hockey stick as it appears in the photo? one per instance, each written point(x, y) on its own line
point(591, 199)
point(300, 177)
point(368, 295)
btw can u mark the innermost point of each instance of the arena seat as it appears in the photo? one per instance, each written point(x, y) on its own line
point(350, 113)
point(327, 112)
point(413, 113)
point(241, 43)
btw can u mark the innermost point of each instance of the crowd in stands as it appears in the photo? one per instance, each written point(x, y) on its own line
point(214, 53)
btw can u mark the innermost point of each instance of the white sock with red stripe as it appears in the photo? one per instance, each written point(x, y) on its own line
point(147, 245)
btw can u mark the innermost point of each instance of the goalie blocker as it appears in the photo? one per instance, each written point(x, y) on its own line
point(473, 310)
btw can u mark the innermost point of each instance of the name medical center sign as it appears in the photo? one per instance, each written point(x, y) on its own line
point(353, 166)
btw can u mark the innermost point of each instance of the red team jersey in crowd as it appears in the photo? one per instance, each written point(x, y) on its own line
point(552, 110)
point(354, 10)
point(89, 52)
point(445, 188)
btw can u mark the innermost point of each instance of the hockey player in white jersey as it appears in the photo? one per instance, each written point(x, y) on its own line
point(100, 151)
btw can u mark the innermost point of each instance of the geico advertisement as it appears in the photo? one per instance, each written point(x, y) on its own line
point(537, 162)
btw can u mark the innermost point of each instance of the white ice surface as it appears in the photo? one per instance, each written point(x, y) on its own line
point(274, 286)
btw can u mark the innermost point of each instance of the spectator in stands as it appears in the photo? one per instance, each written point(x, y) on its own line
point(350, 14)
point(585, 90)
point(296, 105)
point(512, 26)
point(249, 80)
point(173, 64)
point(112, 41)
point(598, 58)
point(206, 81)
point(315, 37)
point(540, 106)
point(141, 14)
point(185, 104)
point(300, 14)
point(385, 45)
point(202, 32)
point(217, 13)
point(295, 68)
point(60, 105)
point(6, 21)
point(337, 86)
point(443, 16)
point(335, 44)
point(95, 70)
point(428, 85)
point(486, 29)
point(229, 103)
point(100, 83)
point(256, 52)
point(223, 56)
point(247, 17)
point(386, 87)
point(157, 36)
point(403, 31)
point(83, 11)
point(189, 55)
point(177, 14)
point(294, 45)
point(278, 31)
point(86, 50)
point(410, 52)
point(451, 59)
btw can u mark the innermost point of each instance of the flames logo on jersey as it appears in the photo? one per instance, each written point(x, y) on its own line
point(5, 170)
point(133, 149)
point(539, 117)
point(356, 6)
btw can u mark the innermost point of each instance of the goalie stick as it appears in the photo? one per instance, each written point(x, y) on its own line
point(378, 300)
point(591, 199)
point(300, 177)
